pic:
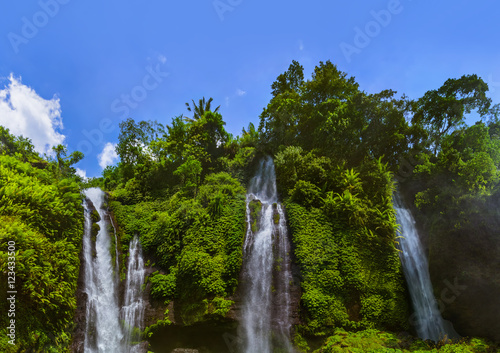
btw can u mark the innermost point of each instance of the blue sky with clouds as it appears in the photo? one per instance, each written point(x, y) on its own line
point(71, 70)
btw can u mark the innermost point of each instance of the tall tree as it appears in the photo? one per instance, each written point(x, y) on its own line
point(65, 162)
point(441, 111)
point(200, 109)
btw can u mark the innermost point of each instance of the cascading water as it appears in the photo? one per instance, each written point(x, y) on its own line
point(132, 312)
point(283, 300)
point(266, 309)
point(427, 317)
point(103, 332)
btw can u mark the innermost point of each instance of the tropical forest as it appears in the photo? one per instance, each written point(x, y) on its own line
point(344, 221)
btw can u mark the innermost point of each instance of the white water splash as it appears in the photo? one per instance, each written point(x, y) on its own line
point(103, 332)
point(132, 312)
point(266, 325)
point(427, 317)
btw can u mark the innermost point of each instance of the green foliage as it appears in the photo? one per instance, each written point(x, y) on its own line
point(198, 239)
point(452, 186)
point(343, 228)
point(219, 307)
point(335, 146)
point(374, 341)
point(163, 286)
point(18, 146)
point(329, 113)
point(189, 172)
point(162, 323)
point(305, 193)
point(200, 109)
point(440, 111)
point(41, 211)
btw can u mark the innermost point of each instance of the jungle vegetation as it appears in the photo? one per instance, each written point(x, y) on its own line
point(339, 153)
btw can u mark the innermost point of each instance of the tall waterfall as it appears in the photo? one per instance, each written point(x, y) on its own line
point(266, 310)
point(132, 312)
point(427, 317)
point(103, 332)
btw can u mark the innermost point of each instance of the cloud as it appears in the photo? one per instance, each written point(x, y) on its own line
point(81, 173)
point(108, 156)
point(240, 92)
point(301, 45)
point(25, 113)
point(162, 59)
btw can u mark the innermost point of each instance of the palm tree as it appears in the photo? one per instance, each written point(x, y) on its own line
point(200, 109)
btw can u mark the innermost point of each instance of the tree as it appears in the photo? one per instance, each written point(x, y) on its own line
point(190, 172)
point(10, 145)
point(279, 119)
point(208, 134)
point(386, 131)
point(290, 80)
point(64, 163)
point(249, 137)
point(441, 111)
point(200, 109)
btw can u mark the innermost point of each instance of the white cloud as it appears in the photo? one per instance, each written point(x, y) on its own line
point(240, 92)
point(162, 58)
point(25, 113)
point(81, 173)
point(301, 45)
point(108, 156)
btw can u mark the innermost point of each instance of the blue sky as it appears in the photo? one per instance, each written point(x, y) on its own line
point(71, 70)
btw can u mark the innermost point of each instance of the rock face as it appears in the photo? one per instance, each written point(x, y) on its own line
point(464, 267)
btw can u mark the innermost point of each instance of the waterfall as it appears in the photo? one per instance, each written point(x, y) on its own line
point(266, 310)
point(103, 331)
point(427, 317)
point(132, 312)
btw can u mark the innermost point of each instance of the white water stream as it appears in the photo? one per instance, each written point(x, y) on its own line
point(427, 318)
point(266, 310)
point(104, 333)
point(109, 328)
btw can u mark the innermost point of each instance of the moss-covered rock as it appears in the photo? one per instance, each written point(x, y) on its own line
point(255, 207)
point(94, 215)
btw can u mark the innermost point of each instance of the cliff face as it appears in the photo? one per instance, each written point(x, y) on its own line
point(464, 266)
point(462, 240)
